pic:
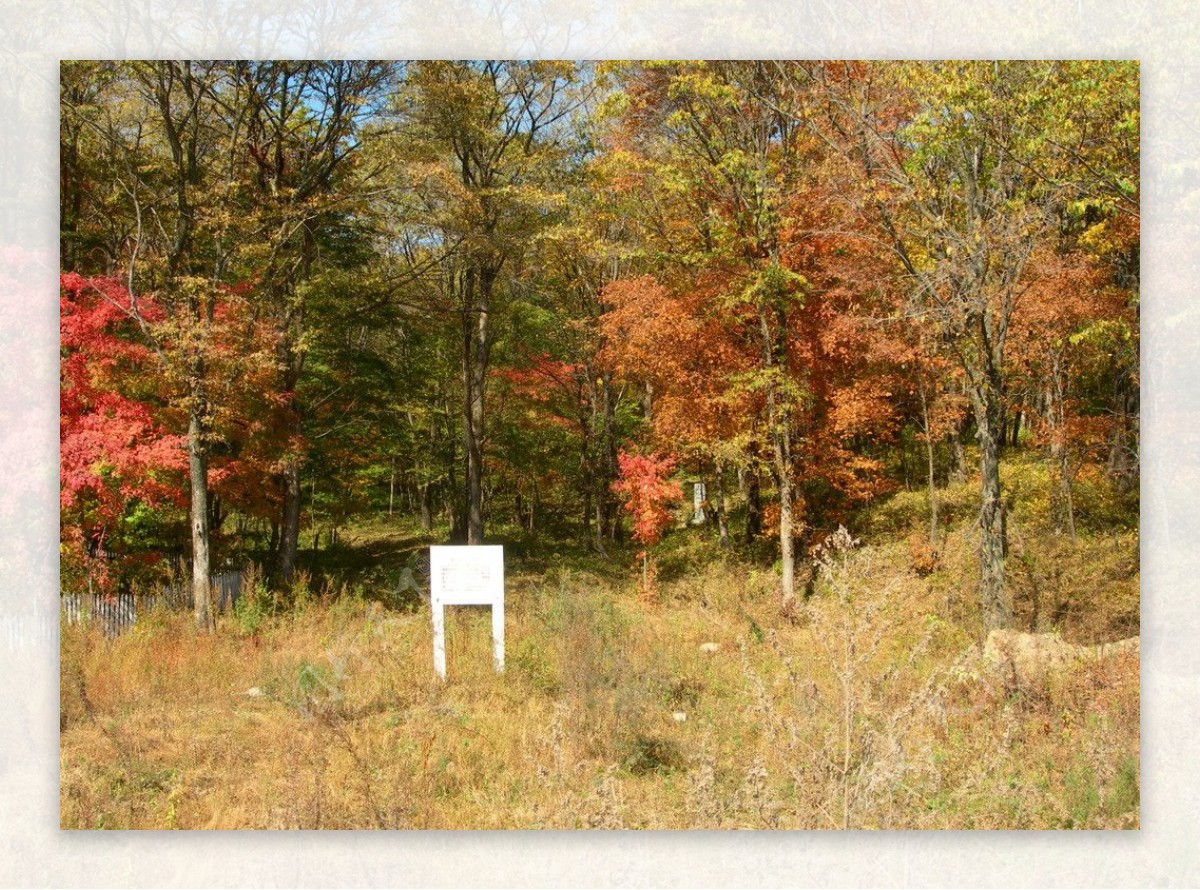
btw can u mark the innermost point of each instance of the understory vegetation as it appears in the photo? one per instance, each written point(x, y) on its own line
point(703, 707)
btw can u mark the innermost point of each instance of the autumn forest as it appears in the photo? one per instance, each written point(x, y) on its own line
point(803, 397)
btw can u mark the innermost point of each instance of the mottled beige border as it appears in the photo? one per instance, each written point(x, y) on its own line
point(37, 33)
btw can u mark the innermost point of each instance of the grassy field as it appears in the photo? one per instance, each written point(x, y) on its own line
point(699, 708)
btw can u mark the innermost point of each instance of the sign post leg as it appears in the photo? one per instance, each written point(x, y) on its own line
point(439, 640)
point(498, 635)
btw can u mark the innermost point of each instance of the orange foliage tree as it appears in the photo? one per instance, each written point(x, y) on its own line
point(1069, 337)
point(753, 332)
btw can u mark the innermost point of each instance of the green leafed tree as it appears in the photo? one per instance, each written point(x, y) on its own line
point(478, 148)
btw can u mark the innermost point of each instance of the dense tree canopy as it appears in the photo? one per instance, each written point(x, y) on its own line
point(469, 292)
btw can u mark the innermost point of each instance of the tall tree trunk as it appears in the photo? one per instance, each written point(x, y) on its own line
point(182, 138)
point(292, 325)
point(959, 472)
point(611, 510)
point(993, 595)
point(1060, 455)
point(456, 496)
point(1122, 455)
point(198, 468)
point(476, 298)
point(289, 520)
point(933, 505)
point(1064, 469)
point(774, 347)
point(722, 502)
point(754, 508)
point(289, 526)
point(787, 541)
point(475, 470)
point(587, 474)
point(426, 500)
point(592, 460)
point(216, 513)
point(392, 488)
point(598, 540)
point(70, 199)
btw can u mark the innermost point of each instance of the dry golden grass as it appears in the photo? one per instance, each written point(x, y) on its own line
point(874, 709)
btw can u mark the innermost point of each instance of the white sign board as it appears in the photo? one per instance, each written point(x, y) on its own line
point(466, 576)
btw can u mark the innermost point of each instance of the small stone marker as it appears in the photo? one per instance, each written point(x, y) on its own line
point(710, 648)
point(466, 576)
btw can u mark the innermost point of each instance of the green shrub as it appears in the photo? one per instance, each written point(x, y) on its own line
point(529, 659)
point(253, 607)
point(317, 692)
point(641, 755)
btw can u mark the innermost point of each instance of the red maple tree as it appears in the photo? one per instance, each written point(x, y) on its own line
point(114, 451)
point(648, 493)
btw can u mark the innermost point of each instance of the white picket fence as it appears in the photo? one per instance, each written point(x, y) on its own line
point(119, 612)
